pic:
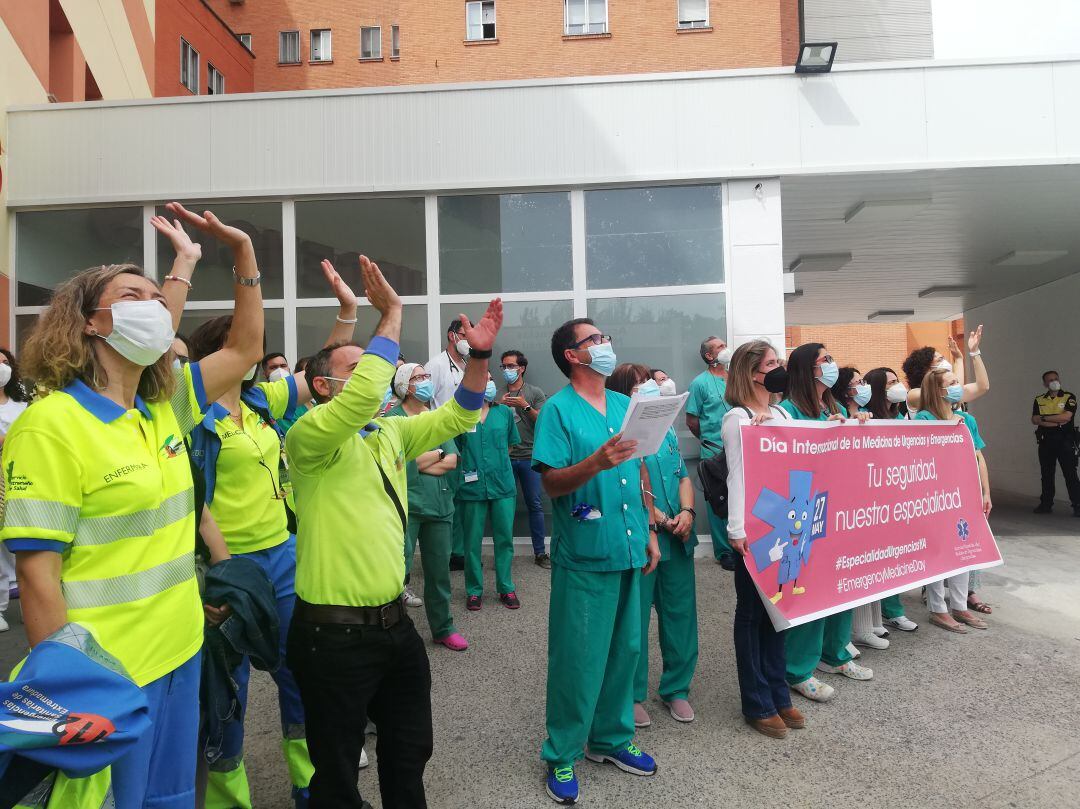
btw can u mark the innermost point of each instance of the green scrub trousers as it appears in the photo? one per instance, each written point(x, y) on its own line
point(671, 588)
point(434, 535)
point(718, 529)
point(891, 607)
point(594, 637)
point(822, 641)
point(474, 514)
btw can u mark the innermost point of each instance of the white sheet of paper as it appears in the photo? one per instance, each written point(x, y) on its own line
point(648, 419)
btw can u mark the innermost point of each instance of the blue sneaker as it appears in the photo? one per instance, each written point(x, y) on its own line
point(631, 759)
point(562, 785)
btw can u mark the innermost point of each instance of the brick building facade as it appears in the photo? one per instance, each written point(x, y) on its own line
point(524, 39)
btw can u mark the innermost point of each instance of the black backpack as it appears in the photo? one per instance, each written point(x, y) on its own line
point(712, 474)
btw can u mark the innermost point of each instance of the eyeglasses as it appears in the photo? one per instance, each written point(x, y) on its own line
point(593, 339)
point(421, 378)
point(826, 358)
point(510, 367)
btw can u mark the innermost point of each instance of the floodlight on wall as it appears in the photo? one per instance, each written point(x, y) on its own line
point(815, 57)
point(820, 262)
point(946, 292)
point(891, 314)
point(887, 210)
point(1028, 258)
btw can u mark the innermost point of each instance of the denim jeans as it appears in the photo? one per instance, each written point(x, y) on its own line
point(759, 651)
point(529, 479)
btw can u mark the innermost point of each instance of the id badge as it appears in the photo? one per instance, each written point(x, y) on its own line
point(472, 477)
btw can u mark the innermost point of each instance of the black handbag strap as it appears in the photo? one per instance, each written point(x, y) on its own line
point(392, 494)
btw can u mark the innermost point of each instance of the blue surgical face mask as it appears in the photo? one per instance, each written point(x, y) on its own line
point(648, 389)
point(386, 399)
point(830, 373)
point(862, 395)
point(603, 359)
point(954, 393)
point(511, 375)
point(424, 391)
point(490, 391)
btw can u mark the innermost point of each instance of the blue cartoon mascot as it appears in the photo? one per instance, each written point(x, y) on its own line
point(795, 522)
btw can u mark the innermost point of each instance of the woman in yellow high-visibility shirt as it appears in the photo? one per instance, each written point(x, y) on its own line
point(239, 447)
point(100, 504)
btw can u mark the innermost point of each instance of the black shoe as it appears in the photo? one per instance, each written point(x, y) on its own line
point(1043, 509)
point(543, 560)
point(457, 562)
point(726, 561)
point(510, 600)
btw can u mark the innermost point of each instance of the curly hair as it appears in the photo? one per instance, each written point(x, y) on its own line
point(59, 351)
point(917, 364)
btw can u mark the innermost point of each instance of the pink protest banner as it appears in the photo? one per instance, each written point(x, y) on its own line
point(841, 514)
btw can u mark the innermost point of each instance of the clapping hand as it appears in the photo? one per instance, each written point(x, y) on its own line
point(344, 294)
point(481, 336)
point(174, 231)
point(377, 289)
point(974, 338)
point(234, 238)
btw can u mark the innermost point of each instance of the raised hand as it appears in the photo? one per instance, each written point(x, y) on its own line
point(614, 451)
point(954, 349)
point(177, 236)
point(377, 289)
point(482, 335)
point(974, 338)
point(346, 297)
point(232, 237)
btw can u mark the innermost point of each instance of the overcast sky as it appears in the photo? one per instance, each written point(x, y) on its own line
point(965, 29)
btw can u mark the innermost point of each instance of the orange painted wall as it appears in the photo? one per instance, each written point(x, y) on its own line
point(209, 35)
point(873, 345)
point(28, 23)
point(530, 44)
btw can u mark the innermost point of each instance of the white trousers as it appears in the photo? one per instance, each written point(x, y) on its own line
point(7, 575)
point(866, 618)
point(957, 587)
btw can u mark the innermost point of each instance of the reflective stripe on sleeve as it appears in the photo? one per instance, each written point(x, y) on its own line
point(181, 405)
point(48, 514)
point(103, 530)
point(81, 595)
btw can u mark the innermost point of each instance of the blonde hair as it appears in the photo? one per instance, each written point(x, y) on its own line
point(740, 390)
point(59, 351)
point(932, 395)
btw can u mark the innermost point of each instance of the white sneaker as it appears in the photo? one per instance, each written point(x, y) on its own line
point(851, 650)
point(851, 670)
point(363, 758)
point(412, 599)
point(814, 689)
point(903, 623)
point(870, 641)
point(641, 716)
point(3, 623)
point(881, 631)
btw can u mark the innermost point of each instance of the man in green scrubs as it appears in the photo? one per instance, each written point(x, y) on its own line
point(705, 411)
point(486, 487)
point(601, 542)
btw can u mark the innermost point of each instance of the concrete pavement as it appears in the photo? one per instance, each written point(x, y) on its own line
point(983, 720)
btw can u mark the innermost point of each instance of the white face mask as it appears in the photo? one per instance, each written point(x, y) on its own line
point(1055, 386)
point(462, 347)
point(278, 374)
point(667, 387)
point(944, 365)
point(5, 374)
point(724, 357)
point(897, 394)
point(142, 330)
point(251, 374)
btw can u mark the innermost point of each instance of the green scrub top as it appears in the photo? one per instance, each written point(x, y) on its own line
point(430, 496)
point(967, 418)
point(568, 431)
point(798, 415)
point(484, 471)
point(666, 471)
point(707, 402)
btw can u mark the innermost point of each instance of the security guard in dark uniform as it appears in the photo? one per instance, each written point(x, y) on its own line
point(1054, 416)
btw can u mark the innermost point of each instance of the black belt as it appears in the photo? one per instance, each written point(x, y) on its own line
point(385, 616)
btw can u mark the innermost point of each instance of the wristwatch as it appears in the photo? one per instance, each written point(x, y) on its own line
point(442, 453)
point(526, 408)
point(246, 282)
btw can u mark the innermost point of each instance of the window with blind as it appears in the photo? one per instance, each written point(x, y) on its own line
point(371, 42)
point(320, 45)
point(215, 81)
point(480, 20)
point(586, 17)
point(693, 13)
point(245, 40)
point(289, 47)
point(189, 66)
point(395, 41)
